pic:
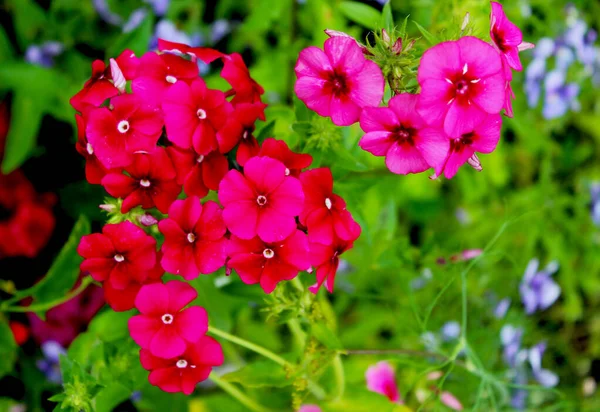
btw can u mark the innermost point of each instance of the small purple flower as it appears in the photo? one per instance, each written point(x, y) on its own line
point(511, 343)
point(538, 290)
point(160, 7)
point(518, 399)
point(44, 54)
point(166, 29)
point(105, 13)
point(544, 377)
point(502, 308)
point(595, 195)
point(219, 29)
point(49, 364)
point(450, 331)
point(135, 19)
point(544, 48)
point(534, 75)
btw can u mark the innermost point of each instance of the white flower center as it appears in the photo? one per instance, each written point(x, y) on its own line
point(200, 159)
point(328, 203)
point(119, 258)
point(167, 318)
point(123, 126)
point(145, 183)
point(245, 135)
point(287, 171)
point(201, 113)
point(191, 237)
point(268, 253)
point(171, 79)
point(89, 149)
point(261, 200)
point(181, 363)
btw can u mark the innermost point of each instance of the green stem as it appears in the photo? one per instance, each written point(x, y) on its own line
point(249, 345)
point(239, 395)
point(48, 305)
point(340, 379)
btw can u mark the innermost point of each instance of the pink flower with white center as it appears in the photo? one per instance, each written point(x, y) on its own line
point(339, 81)
point(508, 40)
point(194, 114)
point(381, 378)
point(263, 201)
point(158, 72)
point(483, 138)
point(461, 82)
point(400, 134)
point(183, 372)
point(164, 327)
point(256, 261)
point(194, 238)
point(324, 214)
point(131, 126)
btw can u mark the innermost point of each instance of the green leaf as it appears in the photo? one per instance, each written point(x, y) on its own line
point(362, 14)
point(403, 27)
point(387, 19)
point(29, 20)
point(137, 40)
point(346, 160)
point(111, 396)
point(260, 374)
point(326, 336)
point(8, 349)
point(6, 50)
point(111, 326)
point(26, 116)
point(431, 39)
point(266, 131)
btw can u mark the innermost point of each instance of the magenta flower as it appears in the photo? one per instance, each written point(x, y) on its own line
point(163, 327)
point(263, 200)
point(381, 378)
point(461, 81)
point(339, 81)
point(399, 133)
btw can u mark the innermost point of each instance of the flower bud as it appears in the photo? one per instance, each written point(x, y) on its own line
point(397, 47)
point(385, 37)
point(475, 163)
point(117, 76)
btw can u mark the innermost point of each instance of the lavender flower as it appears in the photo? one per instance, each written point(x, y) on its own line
point(544, 377)
point(538, 290)
point(106, 14)
point(135, 19)
point(49, 365)
point(560, 97)
point(502, 308)
point(534, 75)
point(166, 29)
point(595, 195)
point(219, 29)
point(160, 7)
point(450, 331)
point(44, 54)
point(512, 354)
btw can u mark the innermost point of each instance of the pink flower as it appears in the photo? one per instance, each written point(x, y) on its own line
point(309, 408)
point(94, 171)
point(482, 138)
point(279, 150)
point(461, 81)
point(450, 401)
point(382, 379)
point(194, 114)
point(400, 134)
point(163, 327)
point(246, 89)
point(324, 213)
point(183, 372)
point(96, 90)
point(256, 261)
point(129, 127)
point(121, 254)
point(338, 82)
point(198, 173)
point(151, 182)
point(158, 72)
point(326, 259)
point(261, 201)
point(239, 129)
point(194, 238)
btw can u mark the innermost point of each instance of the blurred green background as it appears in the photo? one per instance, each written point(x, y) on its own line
point(537, 197)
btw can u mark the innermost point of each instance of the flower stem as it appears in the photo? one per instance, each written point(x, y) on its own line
point(249, 345)
point(239, 395)
point(49, 305)
point(340, 380)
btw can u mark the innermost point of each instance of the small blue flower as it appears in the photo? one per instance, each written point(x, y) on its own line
point(450, 331)
point(533, 80)
point(502, 308)
point(160, 7)
point(538, 290)
point(595, 195)
point(166, 29)
point(44, 54)
point(103, 10)
point(510, 338)
point(49, 365)
point(544, 48)
point(135, 19)
point(544, 377)
point(219, 29)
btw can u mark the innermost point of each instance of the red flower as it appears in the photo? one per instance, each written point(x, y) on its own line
point(20, 332)
point(325, 258)
point(96, 90)
point(163, 327)
point(194, 114)
point(129, 127)
point(121, 300)
point(279, 150)
point(261, 201)
point(94, 171)
point(182, 373)
point(194, 238)
point(158, 72)
point(268, 263)
point(151, 182)
point(247, 90)
point(198, 173)
point(27, 231)
point(325, 213)
point(128, 63)
point(121, 254)
point(239, 129)
point(206, 54)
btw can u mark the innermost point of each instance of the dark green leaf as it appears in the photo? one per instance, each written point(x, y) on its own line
point(360, 13)
point(8, 349)
point(266, 131)
point(259, 374)
point(6, 50)
point(29, 20)
point(431, 39)
point(111, 326)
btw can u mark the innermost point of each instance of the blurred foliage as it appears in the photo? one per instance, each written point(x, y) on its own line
point(531, 200)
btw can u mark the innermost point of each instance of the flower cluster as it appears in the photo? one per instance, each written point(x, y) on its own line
point(464, 86)
point(156, 137)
